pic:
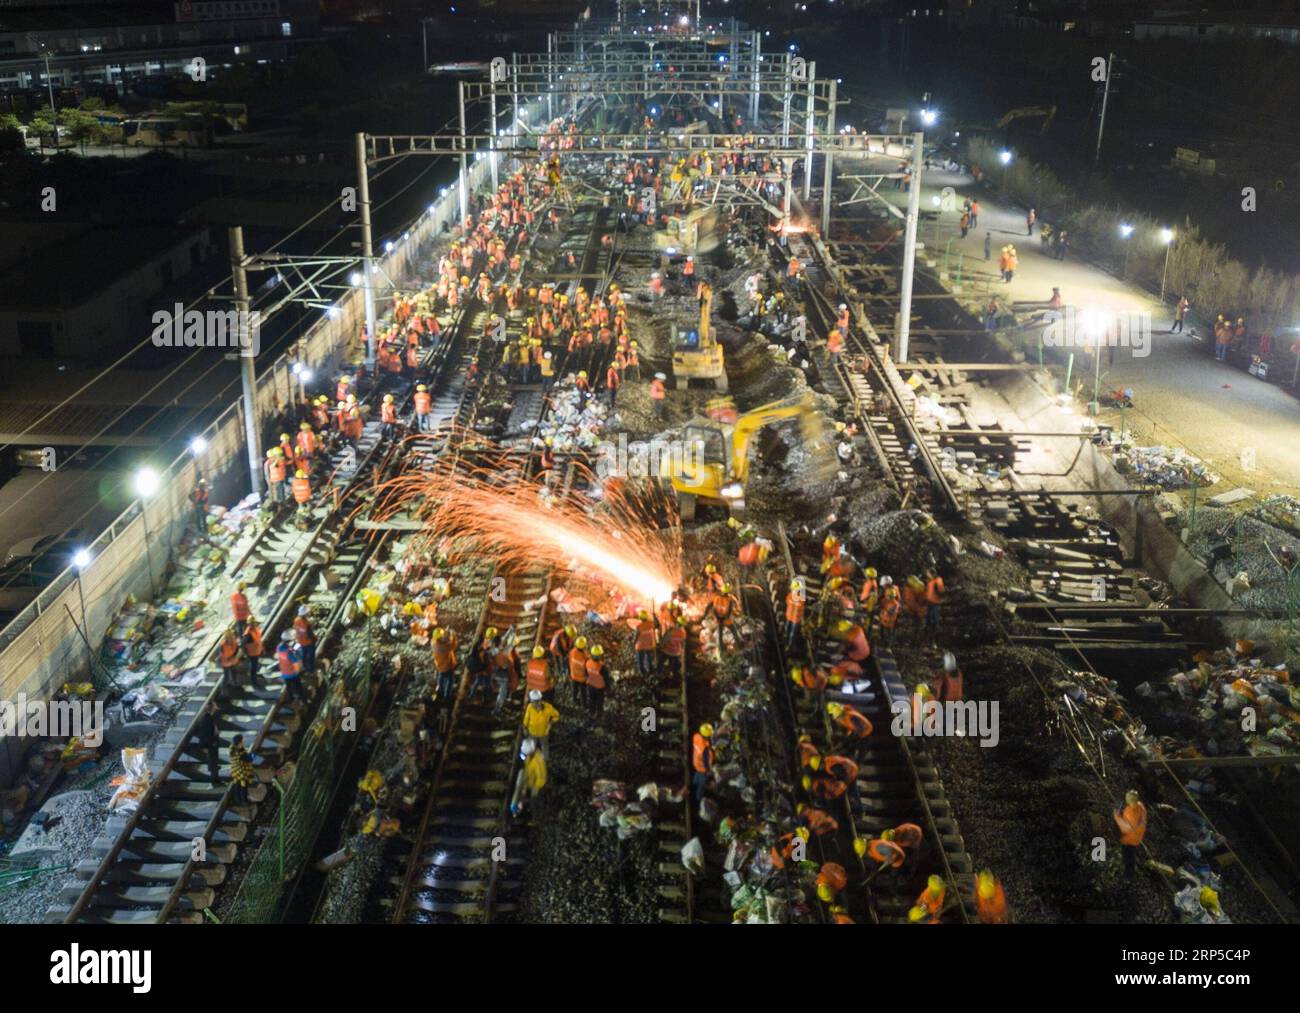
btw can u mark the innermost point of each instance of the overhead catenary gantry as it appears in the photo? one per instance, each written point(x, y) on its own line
point(657, 61)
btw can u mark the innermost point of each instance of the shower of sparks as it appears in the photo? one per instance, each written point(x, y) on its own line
point(490, 507)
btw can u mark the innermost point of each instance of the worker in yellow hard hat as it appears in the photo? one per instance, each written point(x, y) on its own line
point(701, 762)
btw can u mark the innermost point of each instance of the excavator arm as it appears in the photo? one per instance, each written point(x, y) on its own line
point(751, 422)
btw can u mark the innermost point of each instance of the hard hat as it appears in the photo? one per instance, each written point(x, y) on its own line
point(870, 571)
point(388, 398)
point(802, 832)
point(491, 632)
point(352, 399)
point(829, 542)
point(824, 892)
point(632, 343)
point(580, 643)
point(582, 374)
point(643, 614)
point(985, 885)
point(949, 662)
point(797, 584)
point(240, 586)
point(1210, 899)
point(271, 452)
point(439, 633)
point(571, 630)
point(287, 635)
point(421, 387)
point(710, 568)
point(836, 583)
point(284, 436)
point(805, 737)
point(835, 709)
point(534, 695)
point(597, 651)
point(807, 782)
point(299, 474)
point(660, 376)
point(305, 425)
point(342, 405)
point(888, 835)
point(886, 581)
point(916, 914)
point(528, 748)
point(843, 306)
point(344, 379)
point(726, 588)
point(706, 730)
point(815, 762)
point(859, 846)
point(934, 884)
point(539, 651)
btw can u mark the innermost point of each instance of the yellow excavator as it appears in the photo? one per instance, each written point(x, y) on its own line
point(696, 353)
point(710, 464)
point(1047, 112)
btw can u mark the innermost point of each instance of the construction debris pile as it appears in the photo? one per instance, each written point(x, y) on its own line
point(1167, 467)
point(1281, 511)
point(765, 887)
point(633, 813)
point(1230, 704)
point(1258, 562)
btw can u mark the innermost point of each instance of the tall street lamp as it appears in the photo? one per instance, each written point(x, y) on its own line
point(1125, 231)
point(1166, 237)
point(147, 484)
point(81, 560)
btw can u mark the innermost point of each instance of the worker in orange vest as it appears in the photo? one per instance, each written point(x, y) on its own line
point(612, 383)
point(857, 648)
point(423, 409)
point(813, 681)
point(834, 345)
point(199, 501)
point(578, 671)
point(843, 770)
point(914, 602)
point(537, 675)
point(644, 642)
point(658, 391)
point(935, 593)
point(239, 607)
point(672, 647)
point(561, 645)
point(886, 853)
point(444, 643)
point(831, 879)
point(796, 604)
point(301, 488)
point(306, 638)
point(724, 608)
point(792, 268)
point(656, 285)
point(890, 607)
point(253, 651)
point(228, 654)
point(308, 444)
point(341, 391)
point(948, 687)
point(597, 679)
point(1131, 818)
point(990, 899)
point(853, 724)
point(273, 471)
point(929, 905)
point(688, 269)
point(869, 596)
point(818, 821)
point(701, 762)
point(388, 416)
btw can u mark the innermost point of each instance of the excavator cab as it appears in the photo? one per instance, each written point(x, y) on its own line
point(696, 352)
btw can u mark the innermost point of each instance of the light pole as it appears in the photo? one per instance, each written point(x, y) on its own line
point(1125, 231)
point(81, 560)
point(147, 484)
point(1166, 237)
point(1004, 156)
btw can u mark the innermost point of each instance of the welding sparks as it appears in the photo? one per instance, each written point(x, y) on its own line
point(613, 541)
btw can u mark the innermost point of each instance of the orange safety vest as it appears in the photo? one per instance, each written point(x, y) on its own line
point(302, 628)
point(645, 635)
point(932, 901)
point(657, 389)
point(701, 754)
point(444, 654)
point(307, 441)
point(674, 642)
point(859, 648)
point(992, 911)
point(239, 605)
point(884, 852)
point(253, 642)
point(795, 604)
point(908, 835)
point(889, 610)
point(229, 653)
point(423, 402)
point(934, 591)
point(855, 722)
point(388, 412)
point(536, 676)
point(1132, 823)
point(301, 490)
point(578, 665)
point(275, 469)
point(595, 674)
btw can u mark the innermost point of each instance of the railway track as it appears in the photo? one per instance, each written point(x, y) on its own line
point(163, 863)
point(898, 781)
